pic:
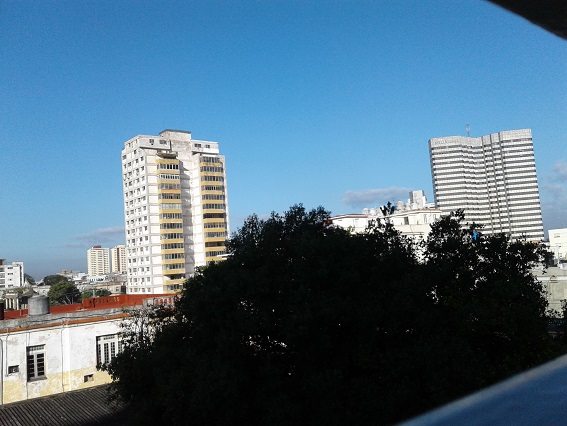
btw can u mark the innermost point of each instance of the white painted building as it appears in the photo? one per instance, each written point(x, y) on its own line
point(98, 260)
point(175, 207)
point(118, 255)
point(11, 274)
point(412, 219)
point(558, 243)
point(492, 178)
point(44, 353)
point(554, 280)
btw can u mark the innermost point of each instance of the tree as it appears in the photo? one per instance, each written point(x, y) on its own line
point(305, 323)
point(29, 279)
point(64, 293)
point(97, 293)
point(54, 279)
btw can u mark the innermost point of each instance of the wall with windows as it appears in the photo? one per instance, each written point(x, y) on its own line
point(11, 274)
point(54, 353)
point(558, 243)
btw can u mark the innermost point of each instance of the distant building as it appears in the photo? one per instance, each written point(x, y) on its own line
point(175, 208)
point(67, 273)
point(115, 283)
point(11, 274)
point(558, 243)
point(118, 264)
point(492, 178)
point(412, 219)
point(554, 280)
point(98, 260)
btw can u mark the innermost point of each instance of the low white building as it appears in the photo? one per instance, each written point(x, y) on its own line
point(554, 280)
point(558, 243)
point(115, 283)
point(412, 219)
point(11, 274)
point(52, 350)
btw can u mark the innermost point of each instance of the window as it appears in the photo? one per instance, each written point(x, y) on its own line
point(36, 362)
point(107, 347)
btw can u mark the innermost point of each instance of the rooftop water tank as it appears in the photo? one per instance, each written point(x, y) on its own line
point(38, 305)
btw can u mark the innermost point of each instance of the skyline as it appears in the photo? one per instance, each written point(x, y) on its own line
point(320, 103)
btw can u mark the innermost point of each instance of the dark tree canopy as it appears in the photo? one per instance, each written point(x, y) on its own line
point(54, 279)
point(305, 323)
point(97, 293)
point(64, 293)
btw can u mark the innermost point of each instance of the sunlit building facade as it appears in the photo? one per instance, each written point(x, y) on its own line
point(98, 260)
point(492, 178)
point(118, 255)
point(175, 208)
point(11, 274)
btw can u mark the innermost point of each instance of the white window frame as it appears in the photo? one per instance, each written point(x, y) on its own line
point(107, 347)
point(35, 361)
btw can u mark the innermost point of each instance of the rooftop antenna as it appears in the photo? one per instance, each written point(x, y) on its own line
point(468, 127)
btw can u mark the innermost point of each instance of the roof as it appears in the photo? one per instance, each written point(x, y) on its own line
point(101, 303)
point(82, 408)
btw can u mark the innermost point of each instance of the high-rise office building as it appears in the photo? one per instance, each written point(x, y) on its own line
point(175, 208)
point(118, 256)
point(492, 178)
point(98, 261)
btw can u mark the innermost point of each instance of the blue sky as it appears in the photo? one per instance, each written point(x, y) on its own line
point(316, 102)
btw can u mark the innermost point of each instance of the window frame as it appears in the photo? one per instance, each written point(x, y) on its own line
point(35, 363)
point(107, 346)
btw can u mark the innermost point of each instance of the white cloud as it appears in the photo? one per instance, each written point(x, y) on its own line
point(375, 197)
point(554, 197)
point(560, 171)
point(110, 236)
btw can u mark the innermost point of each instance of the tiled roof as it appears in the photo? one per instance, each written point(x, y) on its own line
point(84, 407)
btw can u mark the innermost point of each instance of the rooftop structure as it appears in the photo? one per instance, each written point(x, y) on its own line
point(412, 219)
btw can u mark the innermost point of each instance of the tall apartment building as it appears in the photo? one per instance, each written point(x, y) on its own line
point(118, 255)
point(11, 274)
point(98, 261)
point(176, 209)
point(492, 178)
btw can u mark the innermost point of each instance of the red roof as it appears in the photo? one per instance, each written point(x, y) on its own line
point(105, 302)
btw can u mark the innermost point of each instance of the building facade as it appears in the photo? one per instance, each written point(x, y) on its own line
point(118, 264)
point(558, 243)
point(49, 350)
point(413, 218)
point(175, 208)
point(11, 274)
point(98, 260)
point(492, 178)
